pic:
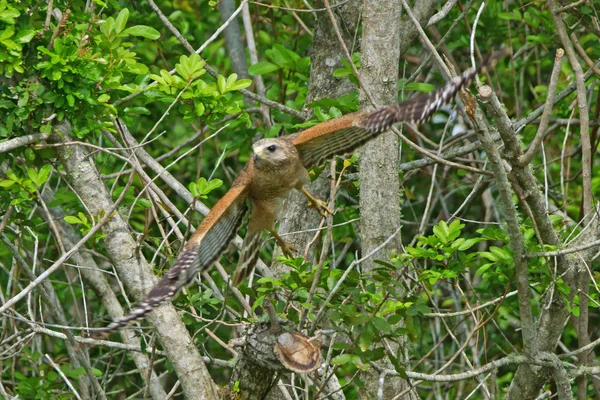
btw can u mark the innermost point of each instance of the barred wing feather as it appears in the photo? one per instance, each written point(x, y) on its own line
point(344, 134)
point(204, 247)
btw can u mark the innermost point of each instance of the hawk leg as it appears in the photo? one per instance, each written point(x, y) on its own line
point(287, 249)
point(315, 203)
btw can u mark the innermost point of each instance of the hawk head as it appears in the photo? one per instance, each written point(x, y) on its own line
point(273, 152)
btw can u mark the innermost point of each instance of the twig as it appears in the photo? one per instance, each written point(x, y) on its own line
point(572, 5)
point(439, 159)
point(539, 136)
point(512, 220)
point(442, 13)
point(518, 125)
point(63, 376)
point(426, 40)
point(581, 51)
point(569, 250)
point(48, 15)
point(17, 142)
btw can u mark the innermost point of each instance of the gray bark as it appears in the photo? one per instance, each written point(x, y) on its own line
point(134, 270)
point(384, 37)
point(233, 40)
point(327, 53)
point(257, 365)
point(379, 159)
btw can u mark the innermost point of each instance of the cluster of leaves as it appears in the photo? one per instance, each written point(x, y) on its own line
point(88, 66)
point(49, 383)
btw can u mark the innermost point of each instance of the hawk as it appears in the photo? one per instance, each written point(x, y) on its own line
point(277, 166)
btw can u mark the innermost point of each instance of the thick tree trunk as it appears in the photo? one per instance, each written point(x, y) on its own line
point(382, 40)
point(379, 159)
point(233, 39)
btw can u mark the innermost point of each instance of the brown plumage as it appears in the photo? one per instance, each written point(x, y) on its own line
point(279, 165)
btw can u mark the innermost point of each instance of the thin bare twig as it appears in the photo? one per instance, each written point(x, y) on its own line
point(539, 136)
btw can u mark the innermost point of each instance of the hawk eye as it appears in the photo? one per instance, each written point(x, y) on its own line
point(271, 148)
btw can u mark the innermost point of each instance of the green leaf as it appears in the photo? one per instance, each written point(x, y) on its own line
point(137, 110)
point(82, 218)
point(481, 270)
point(143, 31)
point(467, 244)
point(11, 45)
point(341, 359)
point(44, 173)
point(489, 256)
point(103, 98)
point(341, 72)
point(25, 36)
point(575, 311)
point(121, 20)
point(212, 185)
point(420, 87)
point(32, 173)
point(501, 253)
point(71, 219)
point(107, 28)
point(9, 14)
point(441, 231)
point(262, 67)
point(7, 33)
point(222, 84)
point(241, 84)
point(7, 183)
point(381, 324)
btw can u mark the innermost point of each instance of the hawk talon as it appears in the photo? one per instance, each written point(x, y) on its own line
point(320, 206)
point(287, 249)
point(317, 204)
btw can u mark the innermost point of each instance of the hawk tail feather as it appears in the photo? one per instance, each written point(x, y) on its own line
point(248, 256)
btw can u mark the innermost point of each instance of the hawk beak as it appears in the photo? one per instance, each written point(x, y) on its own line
point(258, 153)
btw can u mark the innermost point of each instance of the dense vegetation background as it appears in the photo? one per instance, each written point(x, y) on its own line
point(115, 140)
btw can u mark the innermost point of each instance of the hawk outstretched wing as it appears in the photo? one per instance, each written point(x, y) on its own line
point(342, 135)
point(202, 249)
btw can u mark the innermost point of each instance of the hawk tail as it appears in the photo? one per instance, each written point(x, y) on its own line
point(248, 256)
